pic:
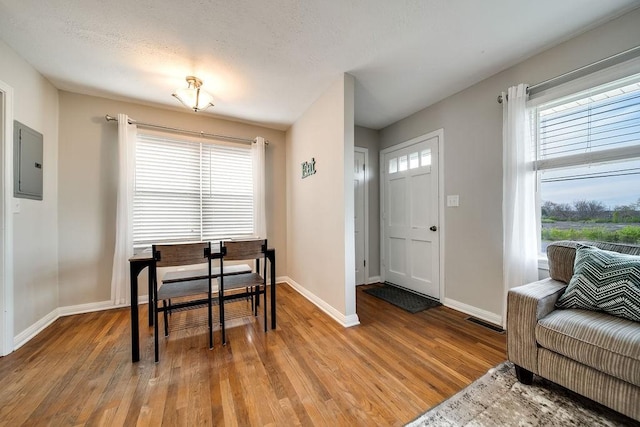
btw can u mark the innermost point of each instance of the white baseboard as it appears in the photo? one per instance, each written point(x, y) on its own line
point(25, 336)
point(86, 308)
point(374, 279)
point(474, 311)
point(346, 321)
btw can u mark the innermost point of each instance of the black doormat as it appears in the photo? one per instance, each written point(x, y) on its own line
point(406, 300)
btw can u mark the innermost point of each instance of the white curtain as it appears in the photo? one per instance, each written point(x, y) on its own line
point(259, 210)
point(519, 212)
point(120, 279)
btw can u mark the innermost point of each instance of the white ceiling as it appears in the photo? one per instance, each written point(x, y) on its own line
point(267, 61)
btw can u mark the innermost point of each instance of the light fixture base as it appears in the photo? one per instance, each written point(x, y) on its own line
point(193, 80)
point(193, 97)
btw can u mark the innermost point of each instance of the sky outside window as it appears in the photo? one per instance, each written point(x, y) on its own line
point(592, 123)
point(613, 184)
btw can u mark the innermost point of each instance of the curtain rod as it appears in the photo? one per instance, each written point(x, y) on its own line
point(582, 71)
point(184, 131)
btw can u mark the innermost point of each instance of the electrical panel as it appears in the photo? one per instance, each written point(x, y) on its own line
point(27, 162)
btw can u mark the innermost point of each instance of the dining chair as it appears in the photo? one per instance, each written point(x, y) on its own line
point(185, 294)
point(255, 284)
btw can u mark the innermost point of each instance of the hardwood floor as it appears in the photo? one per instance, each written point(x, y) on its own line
point(309, 371)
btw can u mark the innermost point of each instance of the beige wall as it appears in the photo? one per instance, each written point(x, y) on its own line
point(320, 249)
point(370, 139)
point(35, 231)
point(88, 175)
point(472, 122)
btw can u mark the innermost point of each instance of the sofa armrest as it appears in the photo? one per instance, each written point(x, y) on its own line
point(525, 306)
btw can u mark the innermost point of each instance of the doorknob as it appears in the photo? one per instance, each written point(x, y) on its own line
point(433, 228)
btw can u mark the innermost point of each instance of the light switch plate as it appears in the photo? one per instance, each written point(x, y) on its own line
point(453, 200)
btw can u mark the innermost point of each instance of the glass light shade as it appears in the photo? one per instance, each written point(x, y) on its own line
point(193, 97)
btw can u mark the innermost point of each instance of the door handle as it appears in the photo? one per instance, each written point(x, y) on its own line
point(433, 228)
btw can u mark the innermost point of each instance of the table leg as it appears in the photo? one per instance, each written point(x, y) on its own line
point(272, 261)
point(152, 285)
point(135, 333)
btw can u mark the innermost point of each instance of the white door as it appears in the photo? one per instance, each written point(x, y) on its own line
point(359, 177)
point(411, 254)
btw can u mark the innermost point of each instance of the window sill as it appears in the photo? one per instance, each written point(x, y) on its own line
point(543, 263)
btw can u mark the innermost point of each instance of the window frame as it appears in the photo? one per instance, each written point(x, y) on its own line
point(150, 136)
point(609, 76)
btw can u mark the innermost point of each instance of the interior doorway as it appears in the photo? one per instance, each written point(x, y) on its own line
point(410, 214)
point(361, 214)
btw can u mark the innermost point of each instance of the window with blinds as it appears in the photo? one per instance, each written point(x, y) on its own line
point(587, 154)
point(191, 191)
point(599, 125)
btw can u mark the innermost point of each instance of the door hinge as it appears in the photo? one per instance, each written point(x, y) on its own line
point(364, 167)
point(365, 262)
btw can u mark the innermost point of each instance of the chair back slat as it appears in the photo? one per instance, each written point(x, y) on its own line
point(244, 249)
point(181, 254)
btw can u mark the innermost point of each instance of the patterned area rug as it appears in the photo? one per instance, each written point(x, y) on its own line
point(406, 300)
point(498, 399)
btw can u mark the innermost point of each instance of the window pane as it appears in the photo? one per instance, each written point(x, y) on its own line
point(594, 202)
point(598, 120)
point(190, 191)
point(166, 206)
point(414, 160)
point(588, 151)
point(393, 165)
point(402, 163)
point(227, 194)
point(425, 157)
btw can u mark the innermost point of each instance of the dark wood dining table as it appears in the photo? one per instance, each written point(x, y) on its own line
point(144, 259)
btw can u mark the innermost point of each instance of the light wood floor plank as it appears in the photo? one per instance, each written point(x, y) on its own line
point(309, 371)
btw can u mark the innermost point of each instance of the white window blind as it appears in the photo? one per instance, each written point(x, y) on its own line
point(599, 125)
point(227, 192)
point(191, 191)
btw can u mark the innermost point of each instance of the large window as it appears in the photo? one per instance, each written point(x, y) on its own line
point(191, 191)
point(588, 162)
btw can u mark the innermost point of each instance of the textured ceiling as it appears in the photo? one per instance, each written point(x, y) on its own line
point(267, 61)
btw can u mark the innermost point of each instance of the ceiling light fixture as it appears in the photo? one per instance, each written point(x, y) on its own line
point(193, 97)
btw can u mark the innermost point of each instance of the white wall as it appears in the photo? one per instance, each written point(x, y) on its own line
point(320, 208)
point(472, 122)
point(35, 233)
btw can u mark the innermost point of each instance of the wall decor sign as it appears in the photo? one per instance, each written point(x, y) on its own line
point(309, 168)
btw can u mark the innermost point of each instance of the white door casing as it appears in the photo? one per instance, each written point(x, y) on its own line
point(410, 215)
point(361, 215)
point(6, 219)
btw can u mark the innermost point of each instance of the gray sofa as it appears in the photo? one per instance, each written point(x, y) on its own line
point(592, 353)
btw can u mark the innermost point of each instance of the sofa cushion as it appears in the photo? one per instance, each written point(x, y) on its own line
point(562, 254)
point(604, 280)
point(608, 343)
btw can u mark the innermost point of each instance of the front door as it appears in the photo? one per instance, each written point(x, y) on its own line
point(411, 254)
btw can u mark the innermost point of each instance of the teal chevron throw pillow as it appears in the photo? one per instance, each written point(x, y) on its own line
point(605, 281)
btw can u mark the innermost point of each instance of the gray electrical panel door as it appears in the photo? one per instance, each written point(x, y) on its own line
point(27, 164)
